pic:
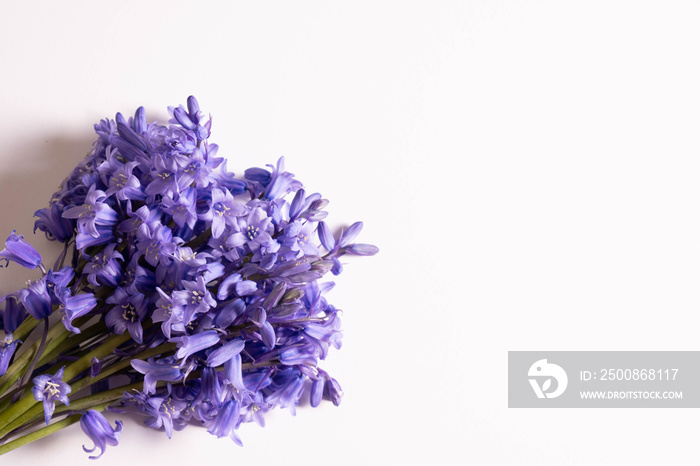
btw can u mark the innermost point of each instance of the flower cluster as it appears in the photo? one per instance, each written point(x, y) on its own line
point(190, 295)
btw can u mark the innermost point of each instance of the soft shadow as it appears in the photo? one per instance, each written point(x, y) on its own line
point(30, 172)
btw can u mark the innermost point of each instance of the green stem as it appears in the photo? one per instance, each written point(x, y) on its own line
point(9, 418)
point(103, 350)
point(25, 328)
point(22, 361)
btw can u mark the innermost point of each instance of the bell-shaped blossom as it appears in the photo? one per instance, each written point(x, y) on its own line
point(73, 307)
point(165, 369)
point(93, 212)
point(103, 267)
point(36, 299)
point(124, 184)
point(53, 224)
point(50, 389)
point(19, 251)
point(127, 314)
point(223, 210)
point(14, 313)
point(99, 431)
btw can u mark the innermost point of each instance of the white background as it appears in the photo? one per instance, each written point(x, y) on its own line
point(529, 170)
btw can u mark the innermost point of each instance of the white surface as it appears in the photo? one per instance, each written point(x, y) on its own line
point(529, 170)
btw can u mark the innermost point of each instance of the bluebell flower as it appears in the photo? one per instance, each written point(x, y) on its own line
point(234, 283)
point(50, 389)
point(182, 207)
point(127, 314)
point(164, 413)
point(347, 236)
point(226, 421)
point(332, 390)
point(326, 237)
point(281, 182)
point(138, 217)
point(228, 180)
point(164, 313)
point(53, 224)
point(194, 299)
point(196, 170)
point(165, 178)
point(103, 267)
point(7, 348)
point(225, 352)
point(360, 249)
point(84, 239)
point(191, 119)
point(19, 251)
point(317, 387)
point(36, 299)
point(95, 367)
point(223, 210)
point(287, 390)
point(93, 212)
point(100, 432)
point(124, 184)
point(191, 344)
point(254, 231)
point(14, 313)
point(155, 243)
point(72, 307)
point(299, 237)
point(136, 278)
point(165, 369)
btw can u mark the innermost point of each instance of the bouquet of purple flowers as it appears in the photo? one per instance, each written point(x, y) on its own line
point(182, 293)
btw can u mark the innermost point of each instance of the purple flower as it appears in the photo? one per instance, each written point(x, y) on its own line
point(14, 313)
point(182, 207)
point(73, 307)
point(287, 390)
point(136, 219)
point(7, 349)
point(97, 428)
point(104, 267)
point(84, 239)
point(228, 181)
point(194, 299)
point(124, 184)
point(191, 118)
point(225, 352)
point(190, 344)
point(299, 237)
point(281, 182)
point(196, 170)
point(93, 212)
point(19, 251)
point(255, 230)
point(223, 210)
point(156, 244)
point(165, 369)
point(49, 389)
point(53, 224)
point(164, 313)
point(226, 421)
point(165, 179)
point(127, 314)
point(36, 299)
